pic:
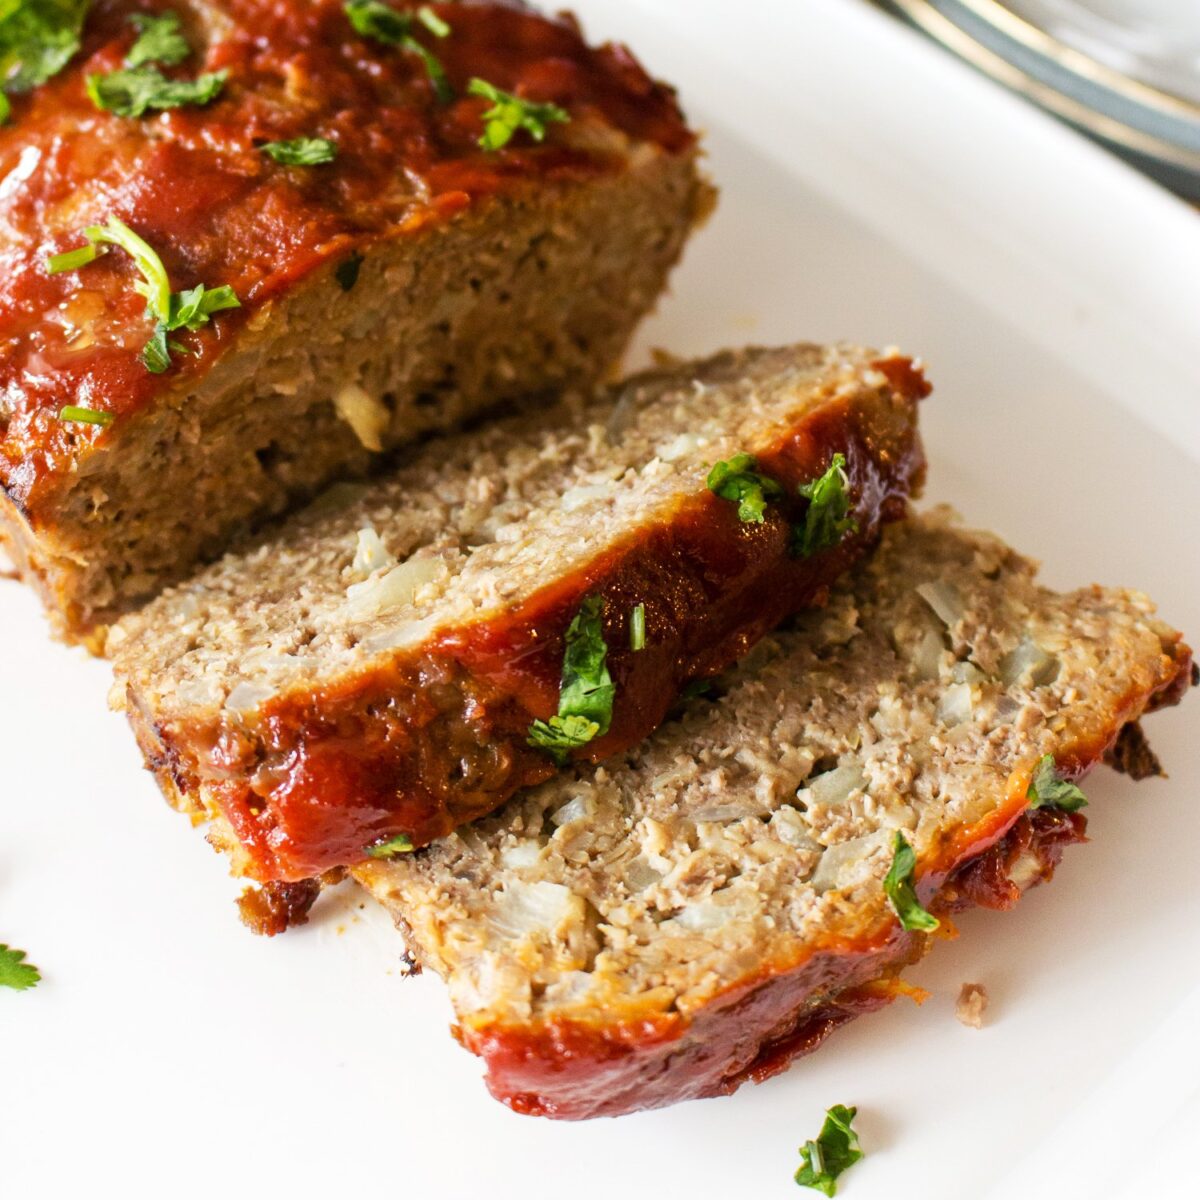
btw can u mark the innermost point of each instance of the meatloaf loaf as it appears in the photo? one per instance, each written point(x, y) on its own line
point(249, 245)
point(401, 658)
point(677, 921)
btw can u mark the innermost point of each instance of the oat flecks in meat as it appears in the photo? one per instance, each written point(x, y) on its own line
point(372, 668)
point(736, 842)
point(971, 1005)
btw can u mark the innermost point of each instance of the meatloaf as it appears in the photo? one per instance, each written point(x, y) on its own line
point(400, 658)
point(693, 914)
point(250, 245)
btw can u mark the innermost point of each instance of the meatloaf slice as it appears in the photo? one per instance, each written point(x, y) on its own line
point(397, 278)
point(676, 921)
point(374, 670)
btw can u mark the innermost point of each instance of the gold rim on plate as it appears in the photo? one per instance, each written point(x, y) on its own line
point(925, 16)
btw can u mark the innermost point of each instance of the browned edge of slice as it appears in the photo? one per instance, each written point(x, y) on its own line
point(439, 736)
point(568, 1070)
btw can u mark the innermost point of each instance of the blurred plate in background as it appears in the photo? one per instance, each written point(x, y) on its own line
point(1125, 71)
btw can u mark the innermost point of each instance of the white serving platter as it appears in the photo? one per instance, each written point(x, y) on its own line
point(874, 189)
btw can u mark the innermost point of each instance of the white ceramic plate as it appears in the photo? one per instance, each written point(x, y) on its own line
point(873, 189)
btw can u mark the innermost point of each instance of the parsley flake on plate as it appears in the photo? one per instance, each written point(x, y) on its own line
point(160, 40)
point(382, 23)
point(400, 844)
point(510, 113)
point(737, 479)
point(828, 518)
point(1048, 789)
point(188, 309)
point(898, 884)
point(301, 151)
point(585, 699)
point(835, 1149)
point(15, 972)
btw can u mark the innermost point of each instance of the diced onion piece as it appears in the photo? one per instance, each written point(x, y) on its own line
point(391, 589)
point(927, 658)
point(364, 414)
point(967, 672)
point(523, 854)
point(246, 697)
point(1028, 662)
point(679, 446)
point(715, 913)
point(575, 809)
point(955, 705)
point(944, 599)
point(577, 497)
point(789, 826)
point(525, 908)
point(836, 786)
point(370, 554)
point(842, 864)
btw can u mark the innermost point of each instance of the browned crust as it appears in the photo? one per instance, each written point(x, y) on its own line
point(1132, 754)
point(572, 1071)
point(439, 737)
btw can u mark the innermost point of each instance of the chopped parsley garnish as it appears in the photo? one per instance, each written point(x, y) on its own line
point(736, 479)
point(137, 90)
point(836, 1148)
point(72, 260)
point(510, 113)
point(302, 151)
point(160, 40)
point(828, 517)
point(189, 309)
point(15, 972)
point(86, 416)
point(400, 844)
point(585, 699)
point(898, 884)
point(384, 24)
point(432, 21)
point(37, 39)
point(346, 272)
point(1048, 789)
point(637, 627)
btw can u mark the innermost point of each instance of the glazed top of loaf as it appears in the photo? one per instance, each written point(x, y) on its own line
point(194, 182)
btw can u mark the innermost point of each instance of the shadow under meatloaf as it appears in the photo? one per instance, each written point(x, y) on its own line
point(372, 668)
point(415, 280)
point(672, 923)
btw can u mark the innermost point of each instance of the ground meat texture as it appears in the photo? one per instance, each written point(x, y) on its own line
point(372, 669)
point(412, 282)
point(700, 910)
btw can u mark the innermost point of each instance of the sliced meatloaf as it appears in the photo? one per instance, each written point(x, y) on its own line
point(250, 245)
point(400, 659)
point(692, 915)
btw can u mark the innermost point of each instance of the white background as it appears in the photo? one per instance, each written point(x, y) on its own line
point(873, 190)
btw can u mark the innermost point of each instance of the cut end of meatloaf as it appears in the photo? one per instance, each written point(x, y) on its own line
point(410, 283)
point(372, 668)
point(669, 924)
